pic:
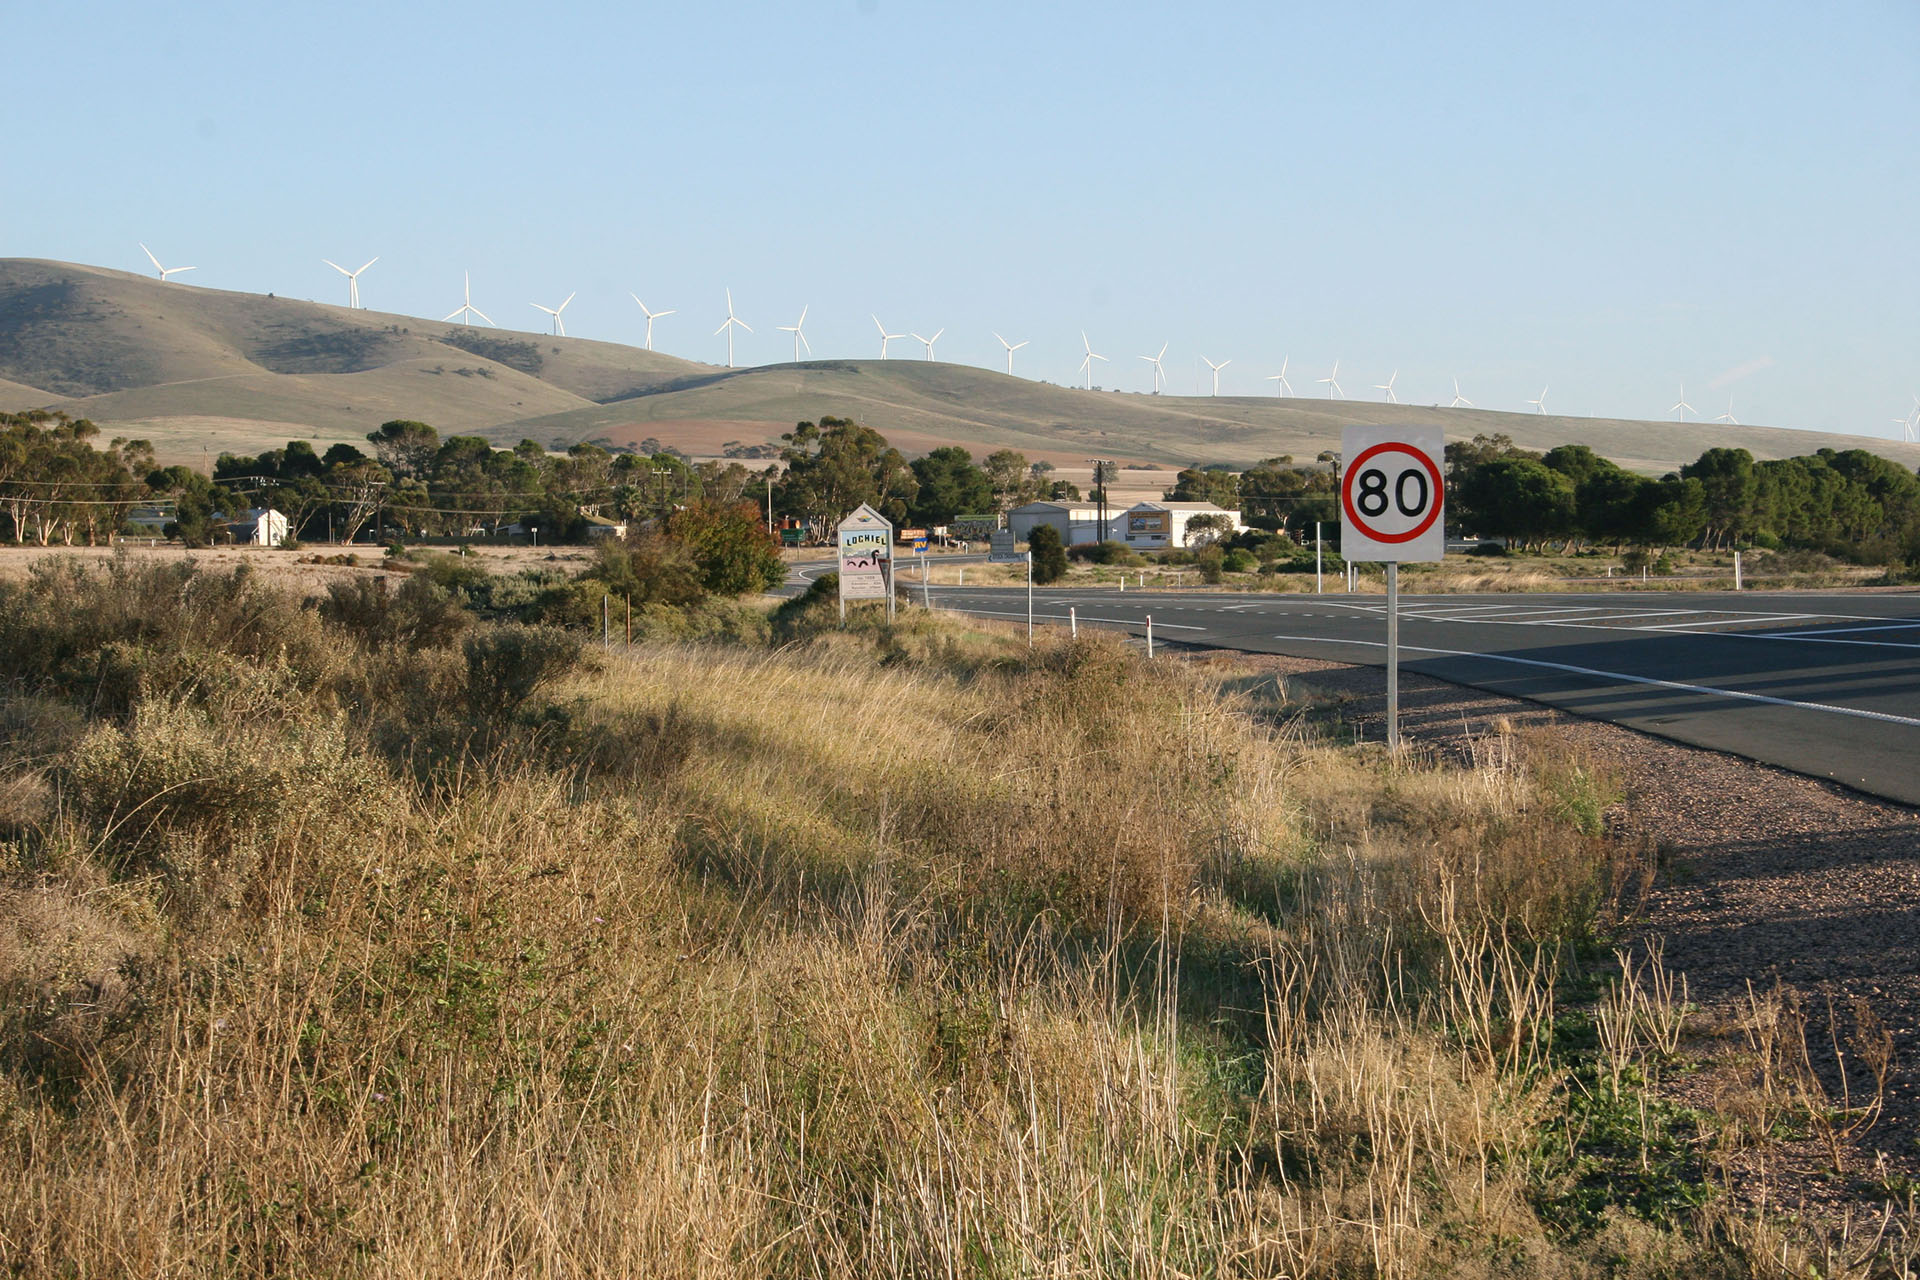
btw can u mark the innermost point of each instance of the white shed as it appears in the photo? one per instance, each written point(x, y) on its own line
point(259, 527)
point(1078, 522)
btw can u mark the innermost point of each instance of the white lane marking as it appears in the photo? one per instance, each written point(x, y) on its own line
point(1837, 631)
point(1125, 622)
point(1624, 678)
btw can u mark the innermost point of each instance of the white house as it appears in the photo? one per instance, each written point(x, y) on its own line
point(259, 527)
point(1147, 526)
point(1078, 522)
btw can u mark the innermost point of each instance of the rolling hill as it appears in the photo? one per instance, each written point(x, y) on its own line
point(199, 370)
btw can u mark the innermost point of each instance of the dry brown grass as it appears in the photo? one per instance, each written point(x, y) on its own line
point(883, 954)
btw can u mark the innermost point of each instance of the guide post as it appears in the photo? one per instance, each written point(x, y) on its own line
point(1392, 509)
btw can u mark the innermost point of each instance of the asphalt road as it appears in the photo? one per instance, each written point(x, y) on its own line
point(1822, 684)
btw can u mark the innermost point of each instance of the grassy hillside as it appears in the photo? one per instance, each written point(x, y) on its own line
point(121, 348)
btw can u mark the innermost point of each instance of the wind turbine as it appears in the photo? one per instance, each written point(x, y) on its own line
point(930, 341)
point(353, 279)
point(1011, 348)
point(1728, 417)
point(1459, 401)
point(1281, 387)
point(466, 303)
point(797, 329)
point(559, 325)
point(885, 337)
point(1086, 361)
point(1216, 371)
point(727, 327)
point(651, 317)
point(1332, 382)
point(1681, 409)
point(164, 271)
point(1912, 424)
point(1158, 372)
point(1540, 405)
point(1387, 386)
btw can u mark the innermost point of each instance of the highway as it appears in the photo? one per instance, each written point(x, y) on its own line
point(1825, 684)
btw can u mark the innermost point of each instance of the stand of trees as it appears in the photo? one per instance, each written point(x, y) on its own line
point(56, 485)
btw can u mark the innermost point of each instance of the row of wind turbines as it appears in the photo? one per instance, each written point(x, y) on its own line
point(467, 312)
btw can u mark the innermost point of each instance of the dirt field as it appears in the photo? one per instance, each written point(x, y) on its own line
point(302, 570)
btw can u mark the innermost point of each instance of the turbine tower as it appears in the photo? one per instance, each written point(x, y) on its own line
point(1912, 425)
point(1459, 401)
point(466, 302)
point(930, 341)
point(727, 327)
point(1086, 361)
point(798, 330)
point(1158, 372)
point(1281, 387)
point(353, 279)
point(1332, 382)
point(1540, 405)
point(559, 325)
point(1216, 371)
point(1681, 408)
point(651, 316)
point(164, 271)
point(1728, 417)
point(1387, 387)
point(885, 337)
point(1011, 348)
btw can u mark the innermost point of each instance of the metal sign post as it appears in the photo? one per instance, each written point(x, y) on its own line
point(1392, 509)
point(1318, 582)
point(1029, 599)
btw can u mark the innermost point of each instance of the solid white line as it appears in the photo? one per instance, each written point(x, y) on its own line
point(1125, 622)
point(1624, 678)
point(1838, 631)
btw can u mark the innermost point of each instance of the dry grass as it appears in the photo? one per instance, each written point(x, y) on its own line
point(888, 953)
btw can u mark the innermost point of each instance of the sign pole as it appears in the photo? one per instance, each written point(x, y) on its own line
point(1029, 599)
point(1393, 655)
point(926, 587)
point(1318, 582)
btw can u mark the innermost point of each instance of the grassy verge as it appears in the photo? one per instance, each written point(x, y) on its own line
point(889, 951)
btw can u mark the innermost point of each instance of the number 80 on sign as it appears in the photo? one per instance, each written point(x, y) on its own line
point(1392, 494)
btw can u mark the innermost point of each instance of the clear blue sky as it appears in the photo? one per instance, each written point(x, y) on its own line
point(1604, 198)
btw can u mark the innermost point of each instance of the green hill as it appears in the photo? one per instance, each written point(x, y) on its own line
point(198, 370)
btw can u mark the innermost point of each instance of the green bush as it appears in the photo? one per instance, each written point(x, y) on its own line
point(1212, 563)
point(1049, 556)
point(1238, 561)
point(509, 663)
point(419, 614)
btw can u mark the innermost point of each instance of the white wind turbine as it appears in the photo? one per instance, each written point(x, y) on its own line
point(353, 279)
point(1011, 348)
point(1910, 425)
point(466, 303)
point(1216, 371)
point(885, 337)
point(1681, 408)
point(1728, 417)
point(164, 271)
point(1086, 361)
point(1387, 386)
point(1281, 387)
point(1158, 372)
point(1459, 401)
point(1332, 382)
point(930, 341)
point(798, 330)
point(727, 327)
point(1540, 405)
point(559, 325)
point(651, 316)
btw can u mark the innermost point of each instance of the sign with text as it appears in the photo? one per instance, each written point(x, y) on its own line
point(1001, 550)
point(865, 541)
point(1392, 494)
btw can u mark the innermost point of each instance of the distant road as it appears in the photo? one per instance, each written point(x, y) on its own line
point(1824, 684)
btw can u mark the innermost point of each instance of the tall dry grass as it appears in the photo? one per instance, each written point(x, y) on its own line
point(889, 953)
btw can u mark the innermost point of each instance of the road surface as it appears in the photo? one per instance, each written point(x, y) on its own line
point(1826, 684)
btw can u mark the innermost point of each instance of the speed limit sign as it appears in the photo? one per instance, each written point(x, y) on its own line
point(1392, 494)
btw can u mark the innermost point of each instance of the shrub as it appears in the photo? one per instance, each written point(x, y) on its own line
point(1108, 552)
point(509, 663)
point(420, 614)
point(1238, 561)
point(1049, 556)
point(1211, 561)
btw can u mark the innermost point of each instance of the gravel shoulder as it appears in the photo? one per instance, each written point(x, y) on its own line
point(1770, 879)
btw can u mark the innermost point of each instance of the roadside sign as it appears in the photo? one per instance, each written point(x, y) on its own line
point(1392, 509)
point(914, 539)
point(1000, 548)
point(1392, 494)
point(865, 541)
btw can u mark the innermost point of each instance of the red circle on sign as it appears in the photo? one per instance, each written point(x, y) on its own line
point(1358, 464)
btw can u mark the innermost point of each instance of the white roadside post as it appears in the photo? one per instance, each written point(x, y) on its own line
point(1393, 510)
point(926, 584)
point(1736, 571)
point(1318, 581)
point(1149, 637)
point(1073, 621)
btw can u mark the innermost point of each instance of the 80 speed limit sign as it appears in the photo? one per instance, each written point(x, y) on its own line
point(1392, 496)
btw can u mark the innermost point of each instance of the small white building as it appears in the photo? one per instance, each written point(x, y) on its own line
point(1147, 526)
point(1078, 522)
point(259, 527)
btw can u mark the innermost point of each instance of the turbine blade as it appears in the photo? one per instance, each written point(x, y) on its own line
point(150, 258)
point(337, 267)
point(483, 315)
point(369, 262)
